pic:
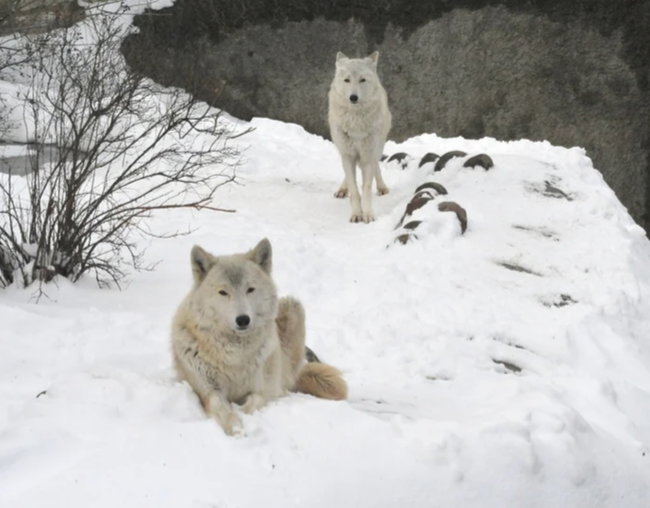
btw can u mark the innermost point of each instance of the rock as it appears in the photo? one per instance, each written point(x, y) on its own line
point(508, 365)
point(415, 204)
point(564, 301)
point(439, 189)
point(553, 192)
point(401, 158)
point(561, 300)
point(540, 231)
point(549, 190)
point(451, 206)
point(442, 161)
point(413, 224)
point(424, 193)
point(482, 160)
point(429, 157)
point(405, 238)
point(518, 268)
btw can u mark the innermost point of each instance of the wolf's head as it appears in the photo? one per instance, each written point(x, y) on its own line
point(356, 79)
point(235, 293)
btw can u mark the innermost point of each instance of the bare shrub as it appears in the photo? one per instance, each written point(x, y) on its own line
point(111, 148)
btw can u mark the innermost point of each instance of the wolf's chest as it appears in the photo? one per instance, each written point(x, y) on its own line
point(360, 127)
point(237, 368)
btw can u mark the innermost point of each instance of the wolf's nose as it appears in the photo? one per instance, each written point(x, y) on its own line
point(243, 321)
point(353, 99)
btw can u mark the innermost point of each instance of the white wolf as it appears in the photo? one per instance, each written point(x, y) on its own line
point(359, 121)
point(234, 341)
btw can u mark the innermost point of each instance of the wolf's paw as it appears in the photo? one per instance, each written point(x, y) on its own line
point(232, 425)
point(381, 191)
point(362, 217)
point(368, 217)
point(341, 193)
point(291, 319)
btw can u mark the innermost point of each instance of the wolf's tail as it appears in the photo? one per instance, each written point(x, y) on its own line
point(323, 381)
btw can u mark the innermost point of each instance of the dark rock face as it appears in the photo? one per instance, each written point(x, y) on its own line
point(38, 16)
point(573, 73)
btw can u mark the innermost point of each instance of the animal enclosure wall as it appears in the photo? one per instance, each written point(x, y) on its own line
point(573, 73)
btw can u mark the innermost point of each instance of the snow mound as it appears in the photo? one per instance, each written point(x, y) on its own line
point(507, 366)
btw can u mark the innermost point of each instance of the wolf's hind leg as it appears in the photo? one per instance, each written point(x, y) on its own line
point(367, 174)
point(350, 168)
point(382, 188)
point(343, 189)
point(253, 402)
point(291, 330)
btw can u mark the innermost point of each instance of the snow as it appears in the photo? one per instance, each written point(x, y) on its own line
point(7, 151)
point(16, 117)
point(508, 366)
point(431, 419)
point(15, 81)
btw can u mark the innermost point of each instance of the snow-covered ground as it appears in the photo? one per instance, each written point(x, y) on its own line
point(427, 335)
point(506, 367)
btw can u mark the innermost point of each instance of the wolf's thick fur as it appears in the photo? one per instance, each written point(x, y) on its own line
point(359, 121)
point(234, 341)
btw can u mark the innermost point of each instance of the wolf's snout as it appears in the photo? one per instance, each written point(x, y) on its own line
point(354, 98)
point(243, 321)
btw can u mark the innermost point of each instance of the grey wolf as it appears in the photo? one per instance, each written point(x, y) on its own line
point(359, 121)
point(237, 344)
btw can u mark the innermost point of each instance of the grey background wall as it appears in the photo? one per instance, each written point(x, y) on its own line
point(574, 73)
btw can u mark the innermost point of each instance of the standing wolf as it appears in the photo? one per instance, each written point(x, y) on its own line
point(359, 122)
point(234, 341)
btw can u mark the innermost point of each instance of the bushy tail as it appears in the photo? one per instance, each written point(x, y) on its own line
point(323, 381)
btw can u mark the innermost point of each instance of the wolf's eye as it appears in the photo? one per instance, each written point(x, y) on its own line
point(223, 293)
point(347, 80)
point(362, 80)
point(250, 290)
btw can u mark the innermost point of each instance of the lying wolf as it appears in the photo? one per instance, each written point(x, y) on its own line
point(235, 342)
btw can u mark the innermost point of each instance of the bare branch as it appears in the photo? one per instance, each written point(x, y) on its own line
point(125, 149)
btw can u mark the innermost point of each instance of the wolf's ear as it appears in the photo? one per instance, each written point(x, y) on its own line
point(262, 255)
point(340, 56)
point(373, 58)
point(201, 261)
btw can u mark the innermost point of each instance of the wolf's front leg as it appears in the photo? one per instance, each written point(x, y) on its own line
point(355, 202)
point(367, 173)
point(195, 371)
point(350, 168)
point(221, 410)
point(258, 395)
